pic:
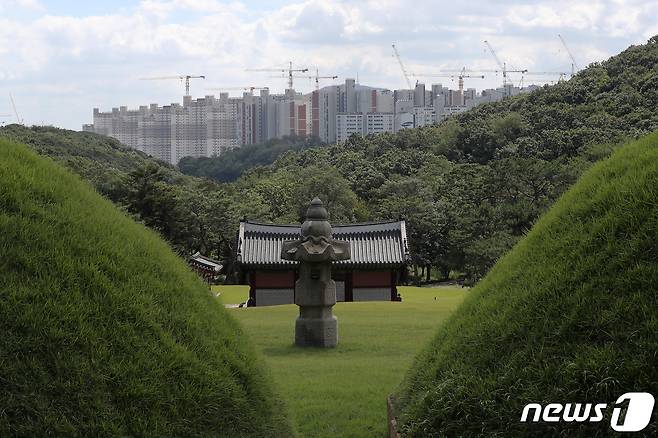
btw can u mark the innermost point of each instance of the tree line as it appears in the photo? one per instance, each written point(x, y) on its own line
point(468, 187)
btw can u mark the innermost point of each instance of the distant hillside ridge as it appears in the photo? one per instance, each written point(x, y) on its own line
point(101, 160)
point(469, 188)
point(232, 163)
point(606, 102)
point(192, 214)
point(105, 331)
point(569, 315)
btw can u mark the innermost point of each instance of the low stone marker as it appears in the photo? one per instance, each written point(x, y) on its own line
point(392, 423)
point(315, 291)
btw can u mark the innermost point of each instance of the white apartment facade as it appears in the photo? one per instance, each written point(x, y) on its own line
point(209, 126)
point(348, 124)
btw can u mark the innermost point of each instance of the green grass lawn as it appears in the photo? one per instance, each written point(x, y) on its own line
point(342, 391)
point(231, 294)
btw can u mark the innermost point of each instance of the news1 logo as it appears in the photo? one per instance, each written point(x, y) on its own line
point(637, 405)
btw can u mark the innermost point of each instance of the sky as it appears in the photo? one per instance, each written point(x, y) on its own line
point(60, 59)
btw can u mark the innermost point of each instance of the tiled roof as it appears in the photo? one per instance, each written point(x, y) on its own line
point(375, 244)
point(206, 262)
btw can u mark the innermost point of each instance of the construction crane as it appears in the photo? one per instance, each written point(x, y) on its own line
point(250, 88)
point(288, 70)
point(461, 75)
point(574, 64)
point(502, 65)
point(315, 77)
point(180, 77)
point(13, 105)
point(560, 74)
point(404, 71)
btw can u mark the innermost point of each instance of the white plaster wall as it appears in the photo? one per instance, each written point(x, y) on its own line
point(371, 294)
point(273, 297)
point(340, 290)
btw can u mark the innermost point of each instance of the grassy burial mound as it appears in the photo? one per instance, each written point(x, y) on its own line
point(104, 331)
point(569, 315)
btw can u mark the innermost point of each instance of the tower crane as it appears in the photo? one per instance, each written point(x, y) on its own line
point(502, 65)
point(316, 77)
point(250, 88)
point(13, 105)
point(288, 70)
point(559, 74)
point(461, 75)
point(404, 71)
point(181, 77)
point(574, 64)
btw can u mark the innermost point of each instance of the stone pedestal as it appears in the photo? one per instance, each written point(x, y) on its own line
point(315, 291)
point(316, 325)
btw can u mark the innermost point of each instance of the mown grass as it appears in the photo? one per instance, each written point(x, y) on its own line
point(342, 391)
point(231, 294)
point(569, 315)
point(104, 331)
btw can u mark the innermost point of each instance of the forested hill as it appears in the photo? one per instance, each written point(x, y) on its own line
point(469, 187)
point(606, 102)
point(554, 318)
point(472, 185)
point(603, 103)
point(232, 163)
point(192, 214)
point(103, 161)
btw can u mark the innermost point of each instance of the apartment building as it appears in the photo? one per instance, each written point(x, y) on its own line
point(209, 126)
point(348, 124)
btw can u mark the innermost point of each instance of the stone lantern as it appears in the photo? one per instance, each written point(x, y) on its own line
point(315, 291)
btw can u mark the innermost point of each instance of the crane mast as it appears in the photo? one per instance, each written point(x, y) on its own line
point(317, 78)
point(186, 78)
point(187, 82)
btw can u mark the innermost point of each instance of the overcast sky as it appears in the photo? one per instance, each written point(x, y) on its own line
point(59, 59)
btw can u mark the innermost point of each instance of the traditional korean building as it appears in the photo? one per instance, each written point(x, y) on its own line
point(205, 266)
point(379, 254)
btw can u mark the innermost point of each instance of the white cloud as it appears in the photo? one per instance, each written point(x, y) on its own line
point(30, 5)
point(580, 15)
point(88, 61)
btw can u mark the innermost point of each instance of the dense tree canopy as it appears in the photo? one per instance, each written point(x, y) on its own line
point(233, 162)
point(469, 187)
point(568, 315)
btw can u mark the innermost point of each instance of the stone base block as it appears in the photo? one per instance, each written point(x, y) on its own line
point(316, 332)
